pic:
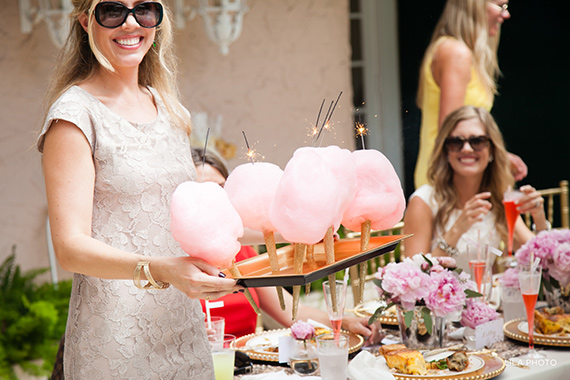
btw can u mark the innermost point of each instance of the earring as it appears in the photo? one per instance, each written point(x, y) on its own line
point(491, 158)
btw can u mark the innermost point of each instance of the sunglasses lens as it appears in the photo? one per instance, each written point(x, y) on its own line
point(110, 15)
point(454, 144)
point(478, 143)
point(149, 14)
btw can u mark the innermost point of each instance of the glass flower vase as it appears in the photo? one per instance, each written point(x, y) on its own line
point(556, 297)
point(420, 329)
point(303, 357)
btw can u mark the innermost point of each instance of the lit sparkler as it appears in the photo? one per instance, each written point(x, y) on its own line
point(361, 131)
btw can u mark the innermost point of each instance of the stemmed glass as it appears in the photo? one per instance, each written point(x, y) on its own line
point(509, 201)
point(529, 280)
point(335, 302)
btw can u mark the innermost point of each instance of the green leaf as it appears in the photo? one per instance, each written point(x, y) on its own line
point(426, 315)
point(472, 293)
point(377, 282)
point(408, 315)
point(378, 313)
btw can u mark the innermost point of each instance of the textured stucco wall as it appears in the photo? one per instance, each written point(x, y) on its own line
point(291, 55)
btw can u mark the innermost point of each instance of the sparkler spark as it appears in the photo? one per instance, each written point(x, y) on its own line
point(361, 131)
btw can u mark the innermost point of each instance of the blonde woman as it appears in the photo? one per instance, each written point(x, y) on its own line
point(459, 68)
point(115, 146)
point(468, 175)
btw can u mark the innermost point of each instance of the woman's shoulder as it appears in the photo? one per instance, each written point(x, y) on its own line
point(449, 48)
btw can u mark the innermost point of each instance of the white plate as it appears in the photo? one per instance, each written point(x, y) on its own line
point(523, 327)
point(266, 342)
point(475, 364)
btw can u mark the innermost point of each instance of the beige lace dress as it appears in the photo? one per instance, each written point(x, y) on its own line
point(114, 330)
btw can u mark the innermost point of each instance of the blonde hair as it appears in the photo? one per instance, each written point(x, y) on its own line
point(80, 57)
point(496, 178)
point(466, 21)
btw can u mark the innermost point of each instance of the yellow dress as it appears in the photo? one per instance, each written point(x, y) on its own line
point(474, 96)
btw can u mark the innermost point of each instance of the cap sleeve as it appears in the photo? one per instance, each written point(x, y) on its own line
point(72, 106)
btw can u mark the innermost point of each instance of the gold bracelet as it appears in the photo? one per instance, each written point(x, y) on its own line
point(152, 284)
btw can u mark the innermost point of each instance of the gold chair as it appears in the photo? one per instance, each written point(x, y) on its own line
point(373, 264)
point(549, 194)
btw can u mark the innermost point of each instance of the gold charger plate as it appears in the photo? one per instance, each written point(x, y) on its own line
point(493, 366)
point(366, 309)
point(512, 330)
point(258, 346)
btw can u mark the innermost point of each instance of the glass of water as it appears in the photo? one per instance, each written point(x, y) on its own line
point(332, 351)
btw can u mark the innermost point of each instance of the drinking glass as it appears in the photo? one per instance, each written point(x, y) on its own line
point(529, 280)
point(223, 354)
point(335, 298)
point(332, 351)
point(477, 263)
point(509, 201)
point(215, 326)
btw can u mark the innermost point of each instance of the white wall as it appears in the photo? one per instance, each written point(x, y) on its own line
point(291, 55)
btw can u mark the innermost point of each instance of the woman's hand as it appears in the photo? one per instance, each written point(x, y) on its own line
point(531, 202)
point(473, 211)
point(194, 277)
point(372, 333)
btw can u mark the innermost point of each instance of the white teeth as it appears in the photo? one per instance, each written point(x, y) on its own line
point(467, 160)
point(128, 41)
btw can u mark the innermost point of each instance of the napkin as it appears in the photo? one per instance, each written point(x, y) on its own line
point(366, 366)
point(281, 375)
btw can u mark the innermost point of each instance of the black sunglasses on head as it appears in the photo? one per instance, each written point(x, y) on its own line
point(477, 143)
point(110, 14)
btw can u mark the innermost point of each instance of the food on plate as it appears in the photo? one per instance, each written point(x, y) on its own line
point(404, 360)
point(457, 362)
point(551, 321)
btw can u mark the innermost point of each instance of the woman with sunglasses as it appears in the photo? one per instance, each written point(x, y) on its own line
point(459, 68)
point(115, 146)
point(468, 175)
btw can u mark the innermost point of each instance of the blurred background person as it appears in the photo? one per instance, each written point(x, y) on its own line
point(468, 175)
point(460, 67)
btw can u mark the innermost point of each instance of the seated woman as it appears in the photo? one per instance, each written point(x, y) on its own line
point(239, 316)
point(468, 174)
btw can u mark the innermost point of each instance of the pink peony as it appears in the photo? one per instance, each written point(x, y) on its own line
point(560, 269)
point(302, 330)
point(406, 282)
point(447, 262)
point(510, 278)
point(477, 313)
point(447, 295)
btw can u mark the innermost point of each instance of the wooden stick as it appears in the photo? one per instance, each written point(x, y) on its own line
point(364, 243)
point(329, 253)
point(311, 263)
point(236, 273)
point(298, 267)
point(269, 238)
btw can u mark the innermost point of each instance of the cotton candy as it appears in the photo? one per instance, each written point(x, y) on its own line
point(341, 162)
point(204, 222)
point(306, 202)
point(251, 189)
point(379, 195)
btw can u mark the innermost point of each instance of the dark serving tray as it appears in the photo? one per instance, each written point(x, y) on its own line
point(256, 272)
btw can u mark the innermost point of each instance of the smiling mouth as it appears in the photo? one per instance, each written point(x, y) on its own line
point(128, 41)
point(468, 160)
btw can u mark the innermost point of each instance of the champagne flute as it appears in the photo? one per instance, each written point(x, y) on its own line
point(529, 280)
point(335, 304)
point(511, 213)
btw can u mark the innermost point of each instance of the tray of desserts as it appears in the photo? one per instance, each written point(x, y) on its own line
point(551, 328)
point(256, 271)
point(406, 364)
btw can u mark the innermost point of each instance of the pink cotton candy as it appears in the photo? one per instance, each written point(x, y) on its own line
point(379, 195)
point(205, 223)
point(251, 189)
point(341, 162)
point(306, 201)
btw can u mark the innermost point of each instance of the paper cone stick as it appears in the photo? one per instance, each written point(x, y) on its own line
point(236, 273)
point(269, 238)
point(364, 242)
point(311, 263)
point(329, 253)
point(298, 267)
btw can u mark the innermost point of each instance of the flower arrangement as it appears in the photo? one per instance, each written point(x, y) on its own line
point(476, 313)
point(433, 283)
point(553, 249)
point(302, 331)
